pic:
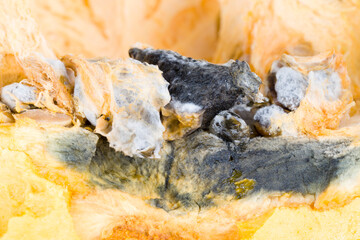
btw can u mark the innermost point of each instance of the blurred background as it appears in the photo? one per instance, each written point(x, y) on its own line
point(257, 31)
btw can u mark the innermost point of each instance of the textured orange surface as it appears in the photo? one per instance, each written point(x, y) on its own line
point(40, 198)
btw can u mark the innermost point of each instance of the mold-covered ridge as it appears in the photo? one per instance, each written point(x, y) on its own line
point(202, 170)
point(212, 120)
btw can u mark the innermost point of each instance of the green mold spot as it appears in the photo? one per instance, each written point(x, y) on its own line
point(236, 174)
point(242, 186)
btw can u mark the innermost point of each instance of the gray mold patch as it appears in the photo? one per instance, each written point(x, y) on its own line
point(327, 80)
point(292, 165)
point(348, 171)
point(266, 120)
point(202, 170)
point(75, 147)
point(264, 115)
point(138, 176)
point(290, 87)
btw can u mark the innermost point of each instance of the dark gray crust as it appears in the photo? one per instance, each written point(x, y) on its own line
point(74, 147)
point(196, 171)
point(211, 86)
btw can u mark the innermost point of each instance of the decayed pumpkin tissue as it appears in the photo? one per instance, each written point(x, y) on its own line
point(254, 137)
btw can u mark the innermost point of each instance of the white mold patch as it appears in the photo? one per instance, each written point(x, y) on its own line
point(290, 87)
point(18, 95)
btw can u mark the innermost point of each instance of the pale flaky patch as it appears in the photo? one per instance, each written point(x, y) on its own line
point(122, 99)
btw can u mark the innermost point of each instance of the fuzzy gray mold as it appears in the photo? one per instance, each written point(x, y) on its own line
point(290, 87)
point(210, 86)
point(328, 80)
point(202, 170)
point(265, 120)
point(75, 147)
